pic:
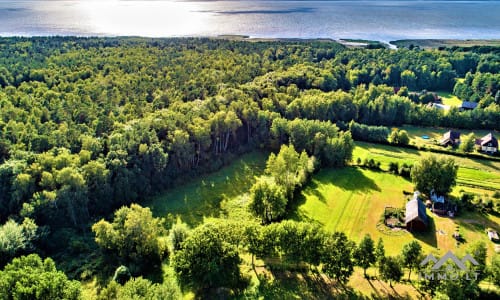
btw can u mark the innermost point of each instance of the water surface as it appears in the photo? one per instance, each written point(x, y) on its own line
point(378, 20)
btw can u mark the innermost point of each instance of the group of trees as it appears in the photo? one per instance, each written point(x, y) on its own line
point(285, 173)
point(134, 236)
point(296, 242)
point(320, 139)
point(17, 238)
point(480, 87)
point(141, 288)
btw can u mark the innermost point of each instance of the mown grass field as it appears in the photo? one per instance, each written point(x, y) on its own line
point(482, 175)
point(353, 199)
point(350, 200)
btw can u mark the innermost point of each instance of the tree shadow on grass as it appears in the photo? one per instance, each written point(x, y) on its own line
point(488, 163)
point(385, 292)
point(477, 222)
point(351, 179)
point(348, 178)
point(388, 292)
point(294, 213)
point(429, 236)
point(312, 188)
point(311, 284)
point(303, 284)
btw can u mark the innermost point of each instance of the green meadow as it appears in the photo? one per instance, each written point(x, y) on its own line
point(449, 99)
point(350, 200)
point(480, 174)
point(353, 199)
point(214, 195)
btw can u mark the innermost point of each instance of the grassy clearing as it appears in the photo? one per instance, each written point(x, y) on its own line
point(435, 134)
point(214, 195)
point(352, 200)
point(449, 99)
point(478, 173)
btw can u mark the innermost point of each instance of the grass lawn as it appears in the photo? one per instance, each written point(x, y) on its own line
point(449, 99)
point(352, 200)
point(211, 195)
point(478, 173)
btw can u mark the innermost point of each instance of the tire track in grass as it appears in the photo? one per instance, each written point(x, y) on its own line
point(349, 209)
point(360, 211)
point(355, 207)
point(342, 212)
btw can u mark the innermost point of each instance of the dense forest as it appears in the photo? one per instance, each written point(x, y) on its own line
point(89, 126)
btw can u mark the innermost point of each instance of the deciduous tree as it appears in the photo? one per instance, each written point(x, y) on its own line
point(268, 199)
point(207, 261)
point(467, 143)
point(30, 277)
point(390, 269)
point(411, 255)
point(364, 254)
point(338, 257)
point(16, 237)
point(133, 234)
point(436, 174)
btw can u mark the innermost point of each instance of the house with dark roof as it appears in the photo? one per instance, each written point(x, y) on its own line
point(416, 218)
point(467, 105)
point(450, 138)
point(487, 143)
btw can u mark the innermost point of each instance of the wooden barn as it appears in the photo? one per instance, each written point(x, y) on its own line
point(415, 216)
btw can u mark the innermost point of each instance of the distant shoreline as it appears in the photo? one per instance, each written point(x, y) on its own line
point(353, 43)
point(403, 43)
point(436, 43)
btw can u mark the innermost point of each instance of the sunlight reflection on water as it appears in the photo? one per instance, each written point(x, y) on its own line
point(381, 20)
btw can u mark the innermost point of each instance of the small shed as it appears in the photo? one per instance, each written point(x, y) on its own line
point(416, 218)
point(439, 205)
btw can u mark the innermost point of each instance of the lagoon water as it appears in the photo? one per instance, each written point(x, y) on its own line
point(377, 20)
